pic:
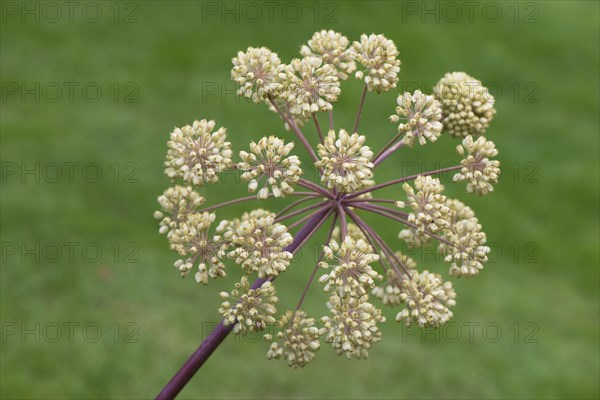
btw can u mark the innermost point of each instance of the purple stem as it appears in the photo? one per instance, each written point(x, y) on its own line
point(360, 108)
point(296, 130)
point(387, 146)
point(387, 152)
point(400, 180)
point(375, 207)
point(294, 204)
point(386, 249)
point(314, 187)
point(306, 217)
point(316, 268)
point(247, 198)
point(300, 211)
point(371, 200)
point(314, 117)
point(343, 223)
point(216, 337)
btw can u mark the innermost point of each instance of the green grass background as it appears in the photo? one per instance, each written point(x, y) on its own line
point(551, 217)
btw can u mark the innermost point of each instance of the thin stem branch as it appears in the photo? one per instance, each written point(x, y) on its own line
point(360, 108)
point(300, 211)
point(306, 217)
point(216, 337)
point(397, 213)
point(316, 228)
point(330, 112)
point(343, 223)
point(371, 200)
point(405, 222)
point(295, 129)
point(375, 246)
point(387, 152)
point(387, 146)
point(386, 249)
point(314, 117)
point(247, 198)
point(404, 179)
point(313, 196)
point(316, 268)
point(314, 187)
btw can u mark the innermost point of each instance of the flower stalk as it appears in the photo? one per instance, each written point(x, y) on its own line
point(260, 241)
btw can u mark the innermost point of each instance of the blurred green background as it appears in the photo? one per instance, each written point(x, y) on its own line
point(112, 319)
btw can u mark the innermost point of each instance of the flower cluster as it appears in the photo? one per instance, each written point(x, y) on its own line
point(270, 159)
point(352, 327)
point(331, 47)
point(191, 240)
point(428, 203)
point(196, 154)
point(378, 56)
point(177, 203)
point(360, 265)
point(467, 106)
point(345, 160)
point(422, 115)
point(249, 309)
point(258, 72)
point(351, 274)
point(260, 243)
point(465, 248)
point(299, 339)
point(477, 169)
point(427, 300)
point(311, 85)
point(187, 231)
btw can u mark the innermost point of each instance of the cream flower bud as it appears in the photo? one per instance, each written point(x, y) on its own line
point(428, 203)
point(177, 203)
point(258, 72)
point(427, 300)
point(378, 56)
point(311, 85)
point(299, 339)
point(467, 106)
point(270, 159)
point(346, 161)
point(331, 47)
point(421, 115)
point(191, 239)
point(467, 252)
point(477, 169)
point(352, 327)
point(252, 309)
point(259, 243)
point(414, 238)
point(351, 273)
point(196, 154)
